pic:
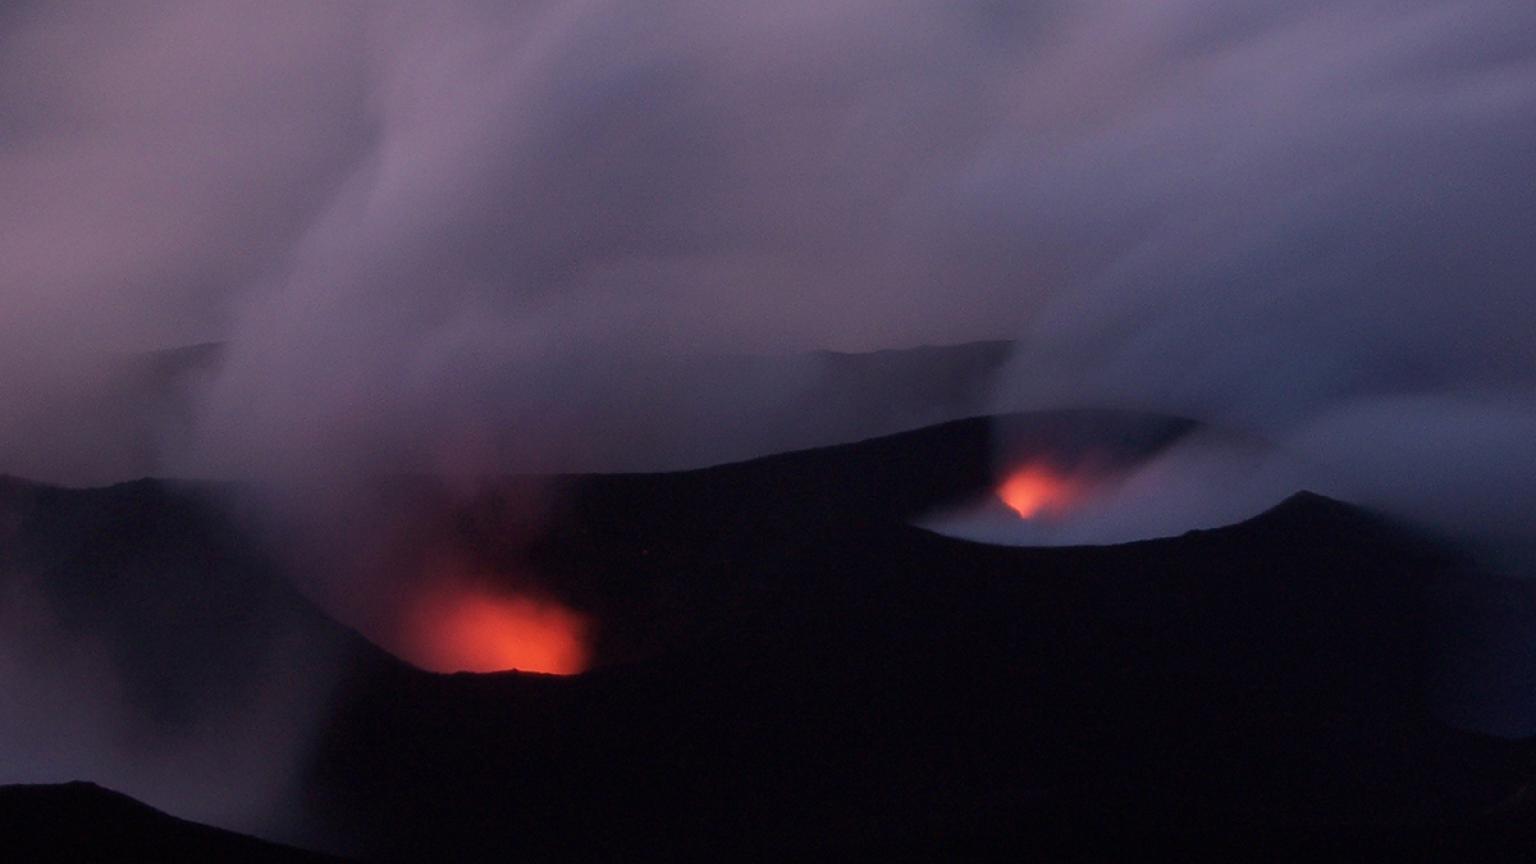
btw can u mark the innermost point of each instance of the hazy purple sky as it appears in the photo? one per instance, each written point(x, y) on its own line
point(410, 222)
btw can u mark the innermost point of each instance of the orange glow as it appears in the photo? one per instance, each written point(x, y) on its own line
point(1037, 490)
point(470, 630)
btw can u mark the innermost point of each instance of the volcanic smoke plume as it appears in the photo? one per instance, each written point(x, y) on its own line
point(436, 572)
point(427, 241)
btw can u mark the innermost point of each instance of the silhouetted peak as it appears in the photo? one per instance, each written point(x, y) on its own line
point(1311, 510)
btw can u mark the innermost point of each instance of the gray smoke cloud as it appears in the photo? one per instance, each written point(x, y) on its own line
point(1339, 257)
point(457, 239)
point(155, 160)
point(562, 193)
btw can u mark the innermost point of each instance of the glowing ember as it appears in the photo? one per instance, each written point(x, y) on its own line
point(473, 631)
point(1038, 490)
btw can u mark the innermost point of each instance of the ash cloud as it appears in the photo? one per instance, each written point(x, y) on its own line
point(458, 240)
point(154, 162)
point(1339, 257)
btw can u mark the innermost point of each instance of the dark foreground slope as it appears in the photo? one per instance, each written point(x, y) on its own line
point(83, 823)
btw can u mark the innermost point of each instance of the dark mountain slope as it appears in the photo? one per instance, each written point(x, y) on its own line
point(791, 668)
point(806, 673)
point(82, 823)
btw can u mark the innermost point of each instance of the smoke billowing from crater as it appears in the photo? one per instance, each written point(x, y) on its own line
point(424, 239)
point(436, 571)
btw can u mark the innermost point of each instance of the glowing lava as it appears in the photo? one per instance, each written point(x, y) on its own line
point(470, 630)
point(1039, 490)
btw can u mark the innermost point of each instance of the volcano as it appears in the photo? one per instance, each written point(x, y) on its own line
point(784, 664)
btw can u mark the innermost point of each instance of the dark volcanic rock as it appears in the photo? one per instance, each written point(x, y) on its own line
point(791, 668)
point(82, 822)
point(803, 673)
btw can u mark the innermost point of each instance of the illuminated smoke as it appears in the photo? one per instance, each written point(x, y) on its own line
point(459, 628)
point(1039, 490)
